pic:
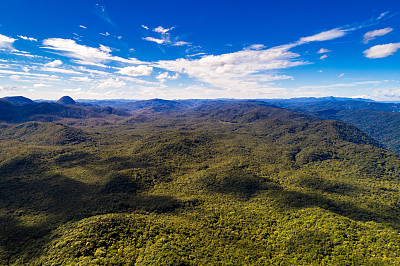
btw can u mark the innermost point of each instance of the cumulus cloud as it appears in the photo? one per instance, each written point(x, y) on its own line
point(164, 76)
point(6, 42)
point(54, 63)
point(383, 50)
point(371, 35)
point(28, 38)
point(141, 70)
point(323, 51)
point(69, 48)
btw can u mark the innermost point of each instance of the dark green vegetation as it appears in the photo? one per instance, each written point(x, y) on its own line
point(215, 182)
point(379, 120)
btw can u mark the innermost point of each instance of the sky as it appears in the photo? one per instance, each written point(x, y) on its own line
point(200, 49)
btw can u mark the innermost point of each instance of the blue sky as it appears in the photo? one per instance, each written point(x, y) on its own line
point(200, 49)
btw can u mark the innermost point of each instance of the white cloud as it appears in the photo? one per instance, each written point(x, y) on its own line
point(83, 27)
point(69, 48)
point(323, 36)
point(180, 43)
point(28, 38)
point(141, 70)
point(341, 85)
point(375, 33)
point(105, 48)
point(151, 39)
point(81, 79)
point(323, 57)
point(323, 51)
point(73, 90)
point(105, 34)
point(6, 42)
point(110, 83)
point(145, 27)
point(164, 76)
point(383, 14)
point(380, 51)
point(241, 70)
point(54, 63)
point(341, 75)
point(40, 85)
point(165, 38)
point(162, 30)
point(256, 47)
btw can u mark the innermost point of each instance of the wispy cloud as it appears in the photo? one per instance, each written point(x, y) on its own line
point(382, 15)
point(151, 39)
point(102, 13)
point(60, 70)
point(371, 35)
point(27, 38)
point(323, 36)
point(83, 27)
point(69, 48)
point(341, 75)
point(164, 37)
point(383, 50)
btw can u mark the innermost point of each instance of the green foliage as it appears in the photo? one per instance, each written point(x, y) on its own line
point(223, 184)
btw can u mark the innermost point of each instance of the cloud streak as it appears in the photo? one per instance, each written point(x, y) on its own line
point(69, 48)
point(371, 35)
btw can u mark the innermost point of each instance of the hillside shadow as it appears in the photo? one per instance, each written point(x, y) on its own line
point(30, 209)
point(295, 199)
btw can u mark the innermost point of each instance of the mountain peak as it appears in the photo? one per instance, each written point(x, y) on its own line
point(66, 100)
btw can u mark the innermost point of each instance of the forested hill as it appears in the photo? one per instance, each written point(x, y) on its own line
point(217, 183)
point(379, 120)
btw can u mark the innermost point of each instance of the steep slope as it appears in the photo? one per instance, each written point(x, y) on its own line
point(230, 183)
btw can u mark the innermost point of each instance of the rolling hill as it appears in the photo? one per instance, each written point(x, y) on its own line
point(227, 182)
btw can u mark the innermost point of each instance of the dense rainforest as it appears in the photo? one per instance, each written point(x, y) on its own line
point(196, 182)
